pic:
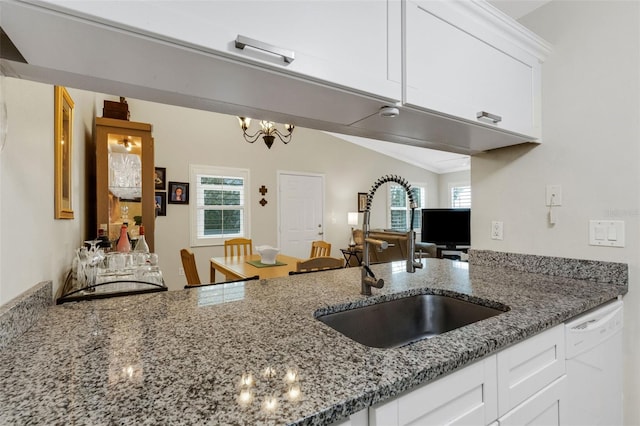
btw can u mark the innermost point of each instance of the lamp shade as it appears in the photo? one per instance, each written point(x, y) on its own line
point(352, 218)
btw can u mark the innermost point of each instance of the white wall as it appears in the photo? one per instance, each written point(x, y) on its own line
point(183, 136)
point(35, 246)
point(591, 140)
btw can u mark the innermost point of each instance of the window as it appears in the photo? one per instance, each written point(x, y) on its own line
point(460, 196)
point(219, 209)
point(400, 210)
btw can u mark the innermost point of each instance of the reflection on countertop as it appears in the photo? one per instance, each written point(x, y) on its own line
point(220, 293)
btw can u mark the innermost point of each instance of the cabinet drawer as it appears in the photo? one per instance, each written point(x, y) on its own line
point(467, 396)
point(545, 408)
point(527, 367)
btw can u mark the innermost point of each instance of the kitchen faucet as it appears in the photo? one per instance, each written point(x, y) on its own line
point(368, 277)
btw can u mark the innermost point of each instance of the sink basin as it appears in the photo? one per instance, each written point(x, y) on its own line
point(403, 321)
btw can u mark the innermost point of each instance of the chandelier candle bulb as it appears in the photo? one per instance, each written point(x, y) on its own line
point(291, 375)
point(270, 404)
point(269, 373)
point(246, 380)
point(245, 397)
point(294, 392)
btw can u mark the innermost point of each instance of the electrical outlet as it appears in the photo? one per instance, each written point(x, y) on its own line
point(554, 195)
point(496, 230)
point(181, 271)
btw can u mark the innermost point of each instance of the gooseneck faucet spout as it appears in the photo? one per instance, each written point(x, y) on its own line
point(368, 277)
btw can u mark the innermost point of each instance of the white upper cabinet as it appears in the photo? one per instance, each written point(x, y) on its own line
point(351, 44)
point(466, 60)
point(327, 65)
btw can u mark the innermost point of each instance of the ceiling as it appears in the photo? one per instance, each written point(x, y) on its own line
point(429, 159)
point(518, 8)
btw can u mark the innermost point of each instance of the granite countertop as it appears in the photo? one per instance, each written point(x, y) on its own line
point(178, 357)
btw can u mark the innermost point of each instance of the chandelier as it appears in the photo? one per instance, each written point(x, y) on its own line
point(268, 132)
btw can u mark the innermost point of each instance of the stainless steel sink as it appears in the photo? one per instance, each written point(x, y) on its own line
point(403, 321)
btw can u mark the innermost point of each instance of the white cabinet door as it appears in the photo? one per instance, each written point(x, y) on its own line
point(545, 408)
point(359, 418)
point(354, 44)
point(467, 396)
point(456, 66)
point(529, 366)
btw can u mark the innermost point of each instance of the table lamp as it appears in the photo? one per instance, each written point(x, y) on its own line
point(352, 219)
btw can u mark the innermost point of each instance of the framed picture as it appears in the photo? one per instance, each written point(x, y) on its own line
point(362, 201)
point(178, 193)
point(161, 203)
point(63, 139)
point(160, 178)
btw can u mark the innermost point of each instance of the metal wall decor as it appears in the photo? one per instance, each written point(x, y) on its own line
point(263, 190)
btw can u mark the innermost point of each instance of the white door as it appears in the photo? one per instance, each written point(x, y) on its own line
point(301, 201)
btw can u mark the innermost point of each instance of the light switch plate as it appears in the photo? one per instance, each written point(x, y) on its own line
point(608, 233)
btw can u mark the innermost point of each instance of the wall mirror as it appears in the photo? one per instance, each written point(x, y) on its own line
point(125, 191)
point(63, 139)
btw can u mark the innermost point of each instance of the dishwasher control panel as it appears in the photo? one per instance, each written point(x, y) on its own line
point(592, 328)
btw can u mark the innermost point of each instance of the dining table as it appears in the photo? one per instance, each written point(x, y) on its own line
point(238, 267)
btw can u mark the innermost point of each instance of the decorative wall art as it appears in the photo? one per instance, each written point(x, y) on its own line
point(178, 193)
point(161, 178)
point(63, 139)
point(161, 203)
point(362, 201)
point(263, 190)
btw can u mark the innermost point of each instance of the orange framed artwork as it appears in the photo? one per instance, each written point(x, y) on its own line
point(63, 139)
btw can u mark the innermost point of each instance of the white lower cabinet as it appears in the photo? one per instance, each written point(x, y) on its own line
point(529, 366)
point(360, 418)
point(467, 396)
point(524, 384)
point(545, 408)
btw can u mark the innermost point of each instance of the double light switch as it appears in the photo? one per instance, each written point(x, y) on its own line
point(606, 233)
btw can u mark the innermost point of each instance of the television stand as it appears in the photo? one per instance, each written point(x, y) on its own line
point(450, 252)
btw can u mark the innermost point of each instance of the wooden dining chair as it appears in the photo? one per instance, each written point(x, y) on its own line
point(238, 247)
point(189, 266)
point(319, 264)
point(320, 248)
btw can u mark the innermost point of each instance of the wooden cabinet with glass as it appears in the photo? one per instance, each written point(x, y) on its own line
point(125, 190)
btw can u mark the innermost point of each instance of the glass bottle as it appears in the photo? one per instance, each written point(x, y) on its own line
point(126, 224)
point(141, 245)
point(104, 242)
point(123, 245)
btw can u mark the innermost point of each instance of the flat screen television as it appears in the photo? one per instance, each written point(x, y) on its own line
point(446, 227)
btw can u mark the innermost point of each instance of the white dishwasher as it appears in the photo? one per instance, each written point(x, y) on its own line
point(594, 366)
